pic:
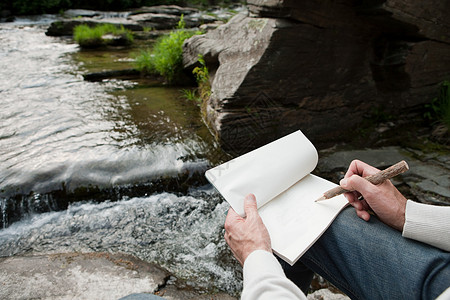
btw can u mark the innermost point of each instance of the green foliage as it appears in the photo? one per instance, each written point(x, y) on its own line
point(202, 77)
point(166, 56)
point(191, 95)
point(439, 107)
point(201, 94)
point(87, 36)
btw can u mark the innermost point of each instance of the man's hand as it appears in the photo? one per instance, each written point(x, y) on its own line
point(383, 199)
point(245, 235)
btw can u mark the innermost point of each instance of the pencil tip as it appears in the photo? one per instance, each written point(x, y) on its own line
point(320, 199)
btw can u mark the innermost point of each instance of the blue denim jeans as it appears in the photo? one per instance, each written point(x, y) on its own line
point(370, 260)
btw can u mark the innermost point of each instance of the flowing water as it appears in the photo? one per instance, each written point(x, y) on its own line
point(104, 166)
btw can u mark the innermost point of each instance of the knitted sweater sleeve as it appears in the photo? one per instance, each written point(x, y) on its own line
point(264, 279)
point(429, 224)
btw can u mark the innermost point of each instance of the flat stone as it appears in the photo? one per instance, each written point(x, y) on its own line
point(77, 276)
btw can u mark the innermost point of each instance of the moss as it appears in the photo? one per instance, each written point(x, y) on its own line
point(89, 37)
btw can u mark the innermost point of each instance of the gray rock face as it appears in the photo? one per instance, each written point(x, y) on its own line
point(319, 67)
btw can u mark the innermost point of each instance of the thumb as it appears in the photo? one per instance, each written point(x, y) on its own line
point(250, 207)
point(357, 183)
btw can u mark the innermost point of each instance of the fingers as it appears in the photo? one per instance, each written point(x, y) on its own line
point(363, 214)
point(357, 183)
point(359, 187)
point(360, 168)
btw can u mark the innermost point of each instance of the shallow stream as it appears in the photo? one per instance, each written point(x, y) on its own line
point(111, 166)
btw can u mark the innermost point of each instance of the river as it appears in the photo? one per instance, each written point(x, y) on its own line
point(111, 166)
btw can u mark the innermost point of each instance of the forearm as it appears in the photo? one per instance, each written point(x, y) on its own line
point(428, 224)
point(265, 279)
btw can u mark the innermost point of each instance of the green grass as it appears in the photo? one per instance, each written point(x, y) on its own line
point(166, 56)
point(89, 37)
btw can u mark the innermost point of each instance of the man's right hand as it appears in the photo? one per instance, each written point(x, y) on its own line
point(245, 235)
point(383, 199)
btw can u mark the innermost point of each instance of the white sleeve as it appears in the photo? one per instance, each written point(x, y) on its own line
point(264, 279)
point(429, 224)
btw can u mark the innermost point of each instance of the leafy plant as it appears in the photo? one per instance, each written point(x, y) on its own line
point(438, 110)
point(202, 77)
point(87, 36)
point(202, 93)
point(166, 56)
point(191, 95)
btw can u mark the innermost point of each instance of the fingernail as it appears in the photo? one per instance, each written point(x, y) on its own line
point(343, 182)
point(251, 197)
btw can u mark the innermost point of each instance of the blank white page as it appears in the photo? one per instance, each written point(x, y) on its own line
point(295, 221)
point(266, 172)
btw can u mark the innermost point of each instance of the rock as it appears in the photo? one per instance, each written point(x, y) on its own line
point(292, 65)
point(78, 276)
point(99, 76)
point(156, 21)
point(210, 26)
point(116, 39)
point(89, 276)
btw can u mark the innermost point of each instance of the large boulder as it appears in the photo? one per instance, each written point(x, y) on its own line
point(319, 67)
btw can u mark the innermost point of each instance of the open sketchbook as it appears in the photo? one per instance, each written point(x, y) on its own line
point(278, 174)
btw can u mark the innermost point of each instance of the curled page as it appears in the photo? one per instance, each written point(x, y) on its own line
point(266, 172)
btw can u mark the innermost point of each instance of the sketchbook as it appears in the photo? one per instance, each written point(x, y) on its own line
point(279, 175)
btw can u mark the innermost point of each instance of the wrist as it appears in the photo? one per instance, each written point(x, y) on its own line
point(400, 219)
